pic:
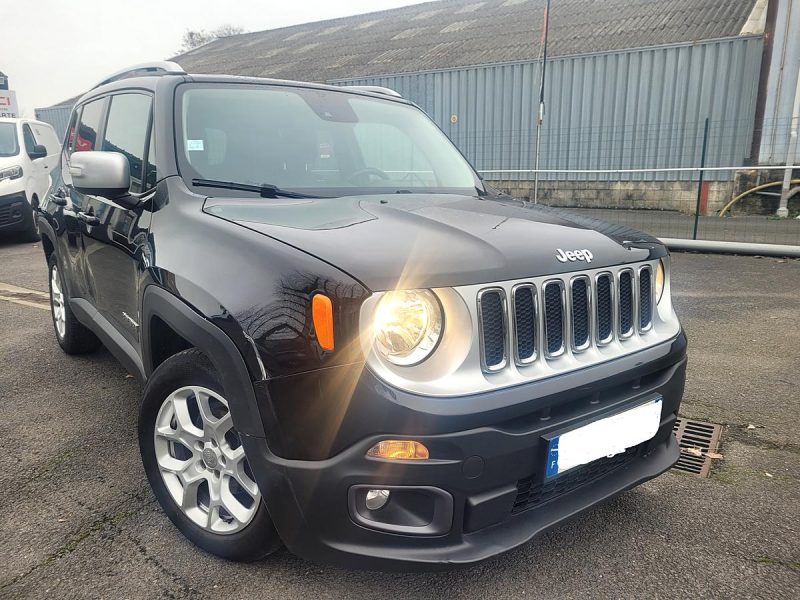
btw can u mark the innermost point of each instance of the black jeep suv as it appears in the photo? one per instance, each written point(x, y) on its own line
point(349, 344)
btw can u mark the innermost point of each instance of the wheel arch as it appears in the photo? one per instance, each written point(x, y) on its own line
point(48, 245)
point(160, 308)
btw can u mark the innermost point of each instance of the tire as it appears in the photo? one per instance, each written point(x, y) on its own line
point(190, 457)
point(32, 234)
point(72, 336)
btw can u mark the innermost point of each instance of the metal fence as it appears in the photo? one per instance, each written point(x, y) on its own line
point(682, 182)
point(634, 151)
point(717, 204)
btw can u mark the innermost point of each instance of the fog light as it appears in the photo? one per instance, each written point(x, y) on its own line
point(399, 450)
point(377, 499)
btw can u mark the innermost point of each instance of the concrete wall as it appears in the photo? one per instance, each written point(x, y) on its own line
point(678, 196)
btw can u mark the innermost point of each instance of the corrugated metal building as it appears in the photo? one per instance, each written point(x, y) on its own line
point(630, 109)
point(629, 84)
point(57, 116)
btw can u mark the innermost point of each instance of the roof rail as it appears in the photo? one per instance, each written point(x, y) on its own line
point(375, 89)
point(162, 67)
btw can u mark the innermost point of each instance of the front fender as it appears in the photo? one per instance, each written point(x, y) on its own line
point(220, 349)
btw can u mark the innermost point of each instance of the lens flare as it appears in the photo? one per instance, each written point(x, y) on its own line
point(407, 326)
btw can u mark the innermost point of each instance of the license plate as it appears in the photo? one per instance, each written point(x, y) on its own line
point(603, 438)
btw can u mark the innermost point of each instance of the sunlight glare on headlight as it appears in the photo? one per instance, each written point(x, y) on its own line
point(407, 326)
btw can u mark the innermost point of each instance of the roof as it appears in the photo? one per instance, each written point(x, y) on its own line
point(455, 33)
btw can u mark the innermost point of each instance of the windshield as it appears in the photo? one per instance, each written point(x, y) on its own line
point(322, 142)
point(8, 139)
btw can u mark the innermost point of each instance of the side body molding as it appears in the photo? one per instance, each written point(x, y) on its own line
point(220, 349)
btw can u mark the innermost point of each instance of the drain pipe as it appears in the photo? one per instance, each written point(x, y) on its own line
point(682, 245)
point(791, 152)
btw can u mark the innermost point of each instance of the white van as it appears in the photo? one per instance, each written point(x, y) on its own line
point(29, 150)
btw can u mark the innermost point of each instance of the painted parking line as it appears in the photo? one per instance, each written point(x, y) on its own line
point(24, 296)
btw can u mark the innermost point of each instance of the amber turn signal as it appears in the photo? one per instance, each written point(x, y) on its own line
point(322, 313)
point(399, 450)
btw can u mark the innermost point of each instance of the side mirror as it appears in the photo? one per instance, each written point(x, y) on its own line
point(106, 174)
point(38, 151)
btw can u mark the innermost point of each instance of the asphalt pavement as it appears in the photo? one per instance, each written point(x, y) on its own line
point(79, 520)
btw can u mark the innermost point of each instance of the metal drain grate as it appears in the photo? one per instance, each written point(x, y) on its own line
point(700, 435)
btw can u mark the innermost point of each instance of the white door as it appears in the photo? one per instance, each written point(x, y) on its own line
point(35, 136)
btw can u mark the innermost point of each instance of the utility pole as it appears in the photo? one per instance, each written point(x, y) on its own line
point(540, 115)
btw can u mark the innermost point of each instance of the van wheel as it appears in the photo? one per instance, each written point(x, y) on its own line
point(72, 336)
point(32, 234)
point(196, 464)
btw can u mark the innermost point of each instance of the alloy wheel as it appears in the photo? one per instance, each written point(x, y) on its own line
point(57, 303)
point(202, 461)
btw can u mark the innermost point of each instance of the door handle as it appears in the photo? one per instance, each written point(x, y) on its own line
point(88, 219)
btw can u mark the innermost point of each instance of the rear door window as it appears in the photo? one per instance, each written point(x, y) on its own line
point(126, 132)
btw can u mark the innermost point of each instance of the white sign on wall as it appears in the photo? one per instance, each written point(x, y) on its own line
point(8, 104)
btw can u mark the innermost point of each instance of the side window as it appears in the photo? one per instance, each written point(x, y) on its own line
point(126, 132)
point(27, 135)
point(88, 126)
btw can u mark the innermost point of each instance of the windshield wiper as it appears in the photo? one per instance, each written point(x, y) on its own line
point(266, 190)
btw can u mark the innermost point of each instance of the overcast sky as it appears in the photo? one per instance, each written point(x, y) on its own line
point(52, 50)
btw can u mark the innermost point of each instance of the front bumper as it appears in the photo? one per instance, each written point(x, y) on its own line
point(15, 212)
point(483, 491)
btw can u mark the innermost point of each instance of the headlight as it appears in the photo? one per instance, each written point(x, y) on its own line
point(407, 326)
point(660, 277)
point(14, 172)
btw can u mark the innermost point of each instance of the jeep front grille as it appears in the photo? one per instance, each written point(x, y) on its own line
point(581, 299)
point(605, 308)
point(525, 315)
point(625, 303)
point(574, 313)
point(554, 318)
point(645, 299)
point(493, 326)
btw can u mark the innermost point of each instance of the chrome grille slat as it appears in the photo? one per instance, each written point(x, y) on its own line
point(604, 301)
point(554, 318)
point(525, 315)
point(625, 303)
point(645, 288)
point(493, 325)
point(581, 313)
point(570, 313)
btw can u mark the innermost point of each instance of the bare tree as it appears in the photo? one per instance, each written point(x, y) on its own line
point(194, 38)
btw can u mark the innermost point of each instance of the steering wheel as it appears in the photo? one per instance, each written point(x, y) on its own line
point(354, 178)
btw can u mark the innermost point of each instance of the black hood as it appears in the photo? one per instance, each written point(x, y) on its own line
point(436, 240)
